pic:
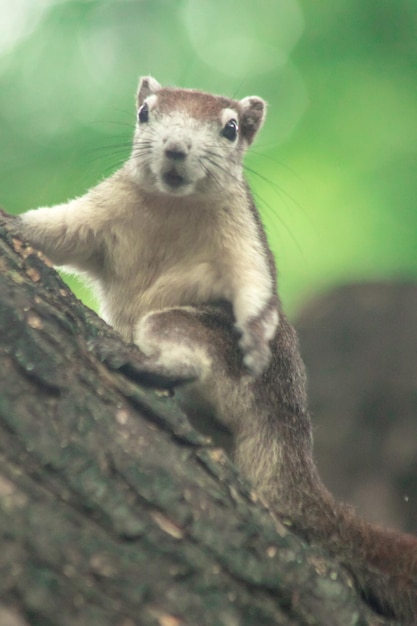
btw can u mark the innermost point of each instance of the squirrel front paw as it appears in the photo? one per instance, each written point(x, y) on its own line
point(255, 336)
point(256, 354)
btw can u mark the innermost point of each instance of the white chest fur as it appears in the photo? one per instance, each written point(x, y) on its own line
point(162, 255)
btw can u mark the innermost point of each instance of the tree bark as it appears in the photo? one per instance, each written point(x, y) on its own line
point(113, 509)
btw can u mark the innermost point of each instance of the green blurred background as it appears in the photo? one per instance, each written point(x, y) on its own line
point(334, 168)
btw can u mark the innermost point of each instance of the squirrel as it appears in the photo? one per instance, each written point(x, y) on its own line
point(174, 246)
point(176, 225)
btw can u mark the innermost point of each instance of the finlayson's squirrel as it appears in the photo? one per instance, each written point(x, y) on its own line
point(174, 248)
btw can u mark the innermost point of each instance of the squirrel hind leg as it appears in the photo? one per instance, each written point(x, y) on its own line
point(170, 344)
point(197, 347)
point(188, 343)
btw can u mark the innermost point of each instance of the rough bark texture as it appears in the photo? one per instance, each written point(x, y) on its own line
point(113, 510)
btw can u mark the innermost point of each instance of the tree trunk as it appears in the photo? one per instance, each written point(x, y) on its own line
point(113, 509)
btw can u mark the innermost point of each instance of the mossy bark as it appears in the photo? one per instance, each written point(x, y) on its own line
point(113, 510)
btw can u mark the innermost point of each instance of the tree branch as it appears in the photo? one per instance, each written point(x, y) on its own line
point(113, 509)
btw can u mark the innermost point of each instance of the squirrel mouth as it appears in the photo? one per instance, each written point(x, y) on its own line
point(173, 179)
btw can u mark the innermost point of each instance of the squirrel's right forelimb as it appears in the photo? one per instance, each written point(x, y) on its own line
point(66, 233)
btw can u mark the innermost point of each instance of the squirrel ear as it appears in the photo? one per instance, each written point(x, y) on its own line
point(147, 86)
point(252, 115)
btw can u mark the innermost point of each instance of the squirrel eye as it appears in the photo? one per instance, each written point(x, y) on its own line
point(143, 113)
point(230, 130)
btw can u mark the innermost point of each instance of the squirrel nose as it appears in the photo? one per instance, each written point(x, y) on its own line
point(176, 151)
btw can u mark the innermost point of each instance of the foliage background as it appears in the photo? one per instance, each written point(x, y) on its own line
point(334, 168)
